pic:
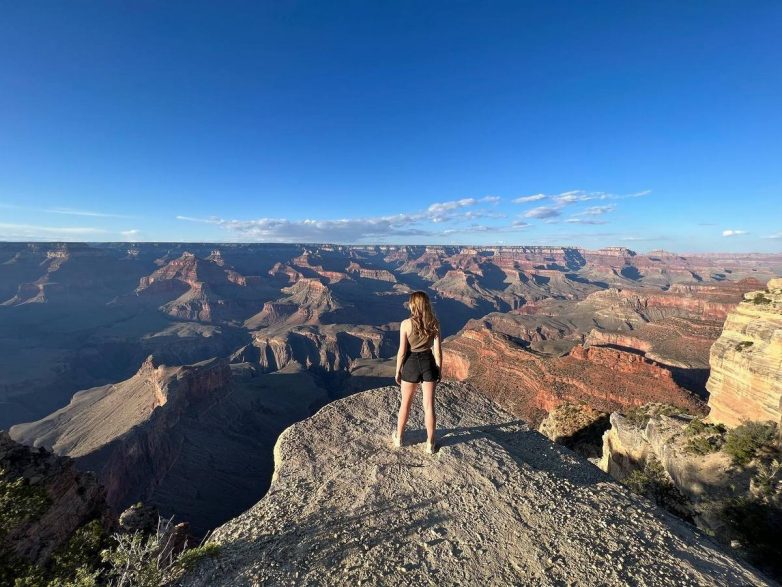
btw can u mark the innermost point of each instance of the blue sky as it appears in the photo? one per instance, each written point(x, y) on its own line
point(641, 124)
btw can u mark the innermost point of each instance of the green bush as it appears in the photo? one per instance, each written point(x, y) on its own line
point(760, 298)
point(137, 560)
point(745, 442)
point(82, 551)
point(640, 416)
point(19, 502)
point(190, 557)
point(703, 438)
point(744, 344)
point(703, 445)
point(652, 481)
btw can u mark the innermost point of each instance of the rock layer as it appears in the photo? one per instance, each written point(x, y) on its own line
point(746, 361)
point(530, 384)
point(497, 504)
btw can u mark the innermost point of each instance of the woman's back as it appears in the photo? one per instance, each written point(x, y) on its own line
point(418, 340)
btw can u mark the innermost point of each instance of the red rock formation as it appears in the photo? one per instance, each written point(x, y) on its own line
point(379, 274)
point(530, 384)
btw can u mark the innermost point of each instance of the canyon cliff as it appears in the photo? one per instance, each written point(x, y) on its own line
point(180, 438)
point(745, 383)
point(553, 351)
point(497, 503)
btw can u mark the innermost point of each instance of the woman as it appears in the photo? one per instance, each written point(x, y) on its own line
point(416, 363)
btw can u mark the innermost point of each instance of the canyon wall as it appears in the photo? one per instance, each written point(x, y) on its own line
point(746, 361)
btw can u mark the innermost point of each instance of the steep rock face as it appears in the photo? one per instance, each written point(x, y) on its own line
point(307, 300)
point(180, 438)
point(529, 384)
point(707, 481)
point(746, 361)
point(579, 427)
point(205, 289)
point(366, 273)
point(330, 347)
point(74, 498)
point(496, 504)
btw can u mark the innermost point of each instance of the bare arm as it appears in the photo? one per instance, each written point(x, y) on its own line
point(400, 355)
point(438, 351)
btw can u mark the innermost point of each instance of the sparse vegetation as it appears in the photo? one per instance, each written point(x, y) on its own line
point(744, 344)
point(745, 442)
point(640, 416)
point(19, 501)
point(704, 438)
point(760, 298)
point(190, 557)
point(767, 481)
point(654, 483)
point(148, 561)
point(91, 557)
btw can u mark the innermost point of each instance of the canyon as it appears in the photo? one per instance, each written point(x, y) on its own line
point(169, 369)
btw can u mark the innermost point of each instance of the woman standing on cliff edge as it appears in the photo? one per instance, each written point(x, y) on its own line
point(417, 363)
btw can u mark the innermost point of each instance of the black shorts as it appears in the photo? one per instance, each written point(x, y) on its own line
point(419, 366)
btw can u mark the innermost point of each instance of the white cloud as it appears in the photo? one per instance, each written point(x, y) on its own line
point(542, 212)
point(730, 232)
point(774, 236)
point(526, 199)
point(404, 224)
point(585, 221)
point(31, 231)
point(451, 205)
point(72, 212)
point(574, 196)
point(66, 211)
point(597, 210)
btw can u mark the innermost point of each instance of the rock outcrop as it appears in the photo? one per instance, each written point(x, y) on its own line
point(703, 473)
point(577, 426)
point(180, 438)
point(72, 498)
point(531, 384)
point(746, 361)
point(497, 504)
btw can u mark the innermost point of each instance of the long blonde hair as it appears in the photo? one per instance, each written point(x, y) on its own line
point(421, 314)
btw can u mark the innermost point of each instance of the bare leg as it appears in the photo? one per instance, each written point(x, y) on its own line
point(408, 391)
point(429, 415)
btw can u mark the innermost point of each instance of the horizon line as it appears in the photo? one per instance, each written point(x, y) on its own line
point(462, 245)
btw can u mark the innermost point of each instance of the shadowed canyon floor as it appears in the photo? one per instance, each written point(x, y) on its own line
point(497, 504)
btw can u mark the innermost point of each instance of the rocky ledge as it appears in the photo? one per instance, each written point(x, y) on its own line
point(497, 504)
